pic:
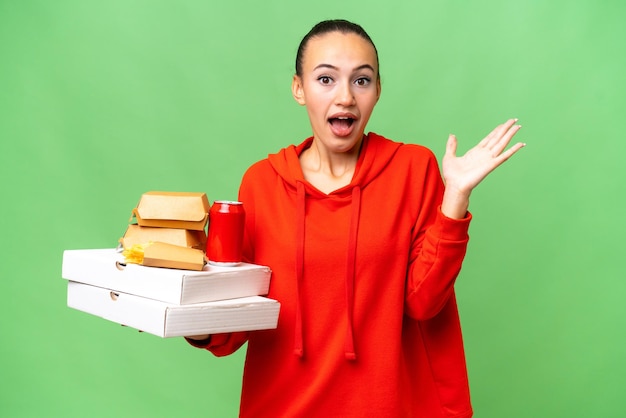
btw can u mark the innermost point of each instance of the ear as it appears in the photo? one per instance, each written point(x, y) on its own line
point(297, 90)
point(378, 88)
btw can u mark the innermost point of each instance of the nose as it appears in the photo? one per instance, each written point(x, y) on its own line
point(345, 95)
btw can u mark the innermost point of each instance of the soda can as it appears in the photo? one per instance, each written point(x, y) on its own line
point(225, 241)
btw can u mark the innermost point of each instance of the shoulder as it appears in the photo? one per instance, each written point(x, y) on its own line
point(416, 151)
point(279, 164)
point(258, 172)
point(259, 167)
point(407, 152)
point(253, 181)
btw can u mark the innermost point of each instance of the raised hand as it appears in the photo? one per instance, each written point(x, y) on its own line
point(462, 174)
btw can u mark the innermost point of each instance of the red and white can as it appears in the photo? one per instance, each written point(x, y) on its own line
point(225, 241)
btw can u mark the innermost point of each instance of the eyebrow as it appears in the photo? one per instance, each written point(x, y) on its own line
point(332, 67)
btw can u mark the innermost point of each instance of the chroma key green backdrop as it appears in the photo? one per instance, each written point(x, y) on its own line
point(101, 101)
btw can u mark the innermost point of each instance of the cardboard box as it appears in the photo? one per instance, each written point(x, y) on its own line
point(106, 268)
point(169, 320)
point(161, 254)
point(136, 234)
point(180, 210)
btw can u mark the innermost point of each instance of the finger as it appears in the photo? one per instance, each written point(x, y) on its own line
point(451, 146)
point(508, 153)
point(499, 131)
point(499, 145)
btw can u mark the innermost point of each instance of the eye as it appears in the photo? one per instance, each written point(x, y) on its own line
point(325, 80)
point(362, 81)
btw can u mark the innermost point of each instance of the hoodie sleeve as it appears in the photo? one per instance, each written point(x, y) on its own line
point(221, 344)
point(437, 251)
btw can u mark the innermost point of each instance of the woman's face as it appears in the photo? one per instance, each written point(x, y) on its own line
point(339, 86)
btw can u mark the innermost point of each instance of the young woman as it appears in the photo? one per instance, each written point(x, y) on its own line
point(365, 243)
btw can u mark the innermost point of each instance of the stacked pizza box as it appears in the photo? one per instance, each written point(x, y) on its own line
point(172, 291)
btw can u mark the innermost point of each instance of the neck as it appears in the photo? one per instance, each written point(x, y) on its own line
point(327, 170)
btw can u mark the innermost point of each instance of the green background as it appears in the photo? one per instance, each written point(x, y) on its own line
point(101, 101)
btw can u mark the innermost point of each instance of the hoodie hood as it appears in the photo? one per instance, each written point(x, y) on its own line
point(376, 153)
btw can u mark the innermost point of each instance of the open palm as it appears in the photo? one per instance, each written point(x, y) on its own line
point(464, 173)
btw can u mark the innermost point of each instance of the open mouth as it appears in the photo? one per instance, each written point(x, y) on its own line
point(341, 125)
point(342, 121)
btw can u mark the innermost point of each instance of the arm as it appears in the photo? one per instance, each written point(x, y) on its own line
point(436, 258)
point(438, 252)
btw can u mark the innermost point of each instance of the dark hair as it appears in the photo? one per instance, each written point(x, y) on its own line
point(328, 26)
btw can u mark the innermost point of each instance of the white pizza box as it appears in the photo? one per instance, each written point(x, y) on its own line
point(170, 320)
point(107, 268)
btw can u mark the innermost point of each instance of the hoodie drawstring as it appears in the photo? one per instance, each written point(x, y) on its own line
point(351, 271)
point(300, 224)
point(350, 278)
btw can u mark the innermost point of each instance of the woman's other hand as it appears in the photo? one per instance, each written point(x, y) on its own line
point(462, 174)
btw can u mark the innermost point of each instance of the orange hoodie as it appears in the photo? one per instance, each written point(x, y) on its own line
point(365, 276)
